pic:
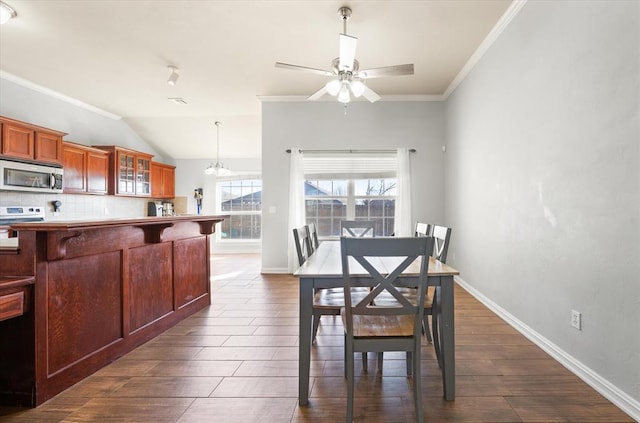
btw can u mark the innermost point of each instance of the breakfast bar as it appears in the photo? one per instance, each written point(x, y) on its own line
point(80, 294)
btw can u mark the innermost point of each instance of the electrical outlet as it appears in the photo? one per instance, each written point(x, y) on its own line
point(576, 319)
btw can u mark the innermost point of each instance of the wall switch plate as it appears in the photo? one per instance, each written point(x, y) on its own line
point(576, 319)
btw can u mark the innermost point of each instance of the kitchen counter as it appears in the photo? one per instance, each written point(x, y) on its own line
point(101, 288)
point(65, 225)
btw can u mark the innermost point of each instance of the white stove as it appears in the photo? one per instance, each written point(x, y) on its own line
point(15, 214)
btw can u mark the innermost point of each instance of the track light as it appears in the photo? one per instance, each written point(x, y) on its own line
point(173, 78)
point(6, 13)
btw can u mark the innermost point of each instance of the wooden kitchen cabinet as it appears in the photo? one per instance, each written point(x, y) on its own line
point(163, 180)
point(86, 169)
point(21, 140)
point(129, 171)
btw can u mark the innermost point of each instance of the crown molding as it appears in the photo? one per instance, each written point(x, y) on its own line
point(484, 46)
point(296, 98)
point(51, 93)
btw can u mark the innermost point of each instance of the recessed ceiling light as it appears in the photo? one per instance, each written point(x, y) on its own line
point(6, 13)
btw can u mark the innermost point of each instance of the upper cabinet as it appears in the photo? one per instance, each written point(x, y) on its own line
point(163, 180)
point(21, 140)
point(129, 171)
point(86, 169)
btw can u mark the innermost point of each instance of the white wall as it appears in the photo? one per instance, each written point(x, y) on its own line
point(543, 182)
point(323, 125)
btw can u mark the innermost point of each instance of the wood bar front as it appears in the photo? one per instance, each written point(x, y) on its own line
point(102, 288)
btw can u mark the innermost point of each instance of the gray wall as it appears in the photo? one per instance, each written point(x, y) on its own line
point(323, 125)
point(542, 179)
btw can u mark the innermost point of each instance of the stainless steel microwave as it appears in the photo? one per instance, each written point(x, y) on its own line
point(19, 176)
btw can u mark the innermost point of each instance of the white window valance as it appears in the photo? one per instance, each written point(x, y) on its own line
point(350, 165)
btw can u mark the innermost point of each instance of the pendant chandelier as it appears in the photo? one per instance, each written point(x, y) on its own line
point(218, 168)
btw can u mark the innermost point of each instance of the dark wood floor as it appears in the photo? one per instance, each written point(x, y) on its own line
point(236, 361)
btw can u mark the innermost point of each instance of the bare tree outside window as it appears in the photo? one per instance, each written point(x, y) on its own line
point(329, 201)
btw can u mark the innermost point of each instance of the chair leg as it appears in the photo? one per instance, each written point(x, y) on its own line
point(417, 384)
point(316, 323)
point(380, 361)
point(409, 361)
point(426, 328)
point(435, 318)
point(350, 379)
point(365, 362)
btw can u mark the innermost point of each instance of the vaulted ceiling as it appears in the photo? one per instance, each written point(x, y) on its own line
point(114, 55)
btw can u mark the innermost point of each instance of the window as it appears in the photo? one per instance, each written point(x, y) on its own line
point(328, 201)
point(350, 186)
point(242, 200)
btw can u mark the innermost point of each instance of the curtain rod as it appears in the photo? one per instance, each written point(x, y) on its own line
point(413, 150)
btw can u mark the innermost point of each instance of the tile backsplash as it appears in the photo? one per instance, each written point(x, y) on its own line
point(78, 206)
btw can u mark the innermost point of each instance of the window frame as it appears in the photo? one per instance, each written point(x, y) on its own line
point(350, 199)
point(219, 200)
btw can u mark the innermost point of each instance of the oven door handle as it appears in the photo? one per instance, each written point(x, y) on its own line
point(52, 180)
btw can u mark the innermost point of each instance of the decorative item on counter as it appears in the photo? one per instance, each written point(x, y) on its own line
point(198, 196)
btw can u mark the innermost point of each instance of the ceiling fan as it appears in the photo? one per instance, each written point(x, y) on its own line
point(347, 78)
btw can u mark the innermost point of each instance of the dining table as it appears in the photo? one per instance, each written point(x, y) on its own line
point(323, 269)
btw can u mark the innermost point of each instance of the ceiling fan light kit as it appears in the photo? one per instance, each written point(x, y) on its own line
point(347, 78)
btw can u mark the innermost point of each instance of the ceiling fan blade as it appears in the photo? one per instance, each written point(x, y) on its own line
point(397, 70)
point(347, 52)
point(370, 95)
point(322, 91)
point(304, 68)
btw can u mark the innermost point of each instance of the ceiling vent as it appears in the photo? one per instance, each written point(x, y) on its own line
point(177, 100)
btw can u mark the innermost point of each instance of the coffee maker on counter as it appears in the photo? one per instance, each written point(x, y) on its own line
point(156, 208)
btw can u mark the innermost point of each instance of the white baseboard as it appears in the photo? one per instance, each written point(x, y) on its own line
point(275, 270)
point(618, 397)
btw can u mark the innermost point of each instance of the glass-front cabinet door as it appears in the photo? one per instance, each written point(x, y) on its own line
point(126, 173)
point(143, 176)
point(129, 171)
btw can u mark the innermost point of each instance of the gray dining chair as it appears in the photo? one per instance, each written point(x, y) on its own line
point(426, 229)
point(370, 326)
point(303, 244)
point(423, 229)
point(327, 301)
point(358, 228)
point(442, 237)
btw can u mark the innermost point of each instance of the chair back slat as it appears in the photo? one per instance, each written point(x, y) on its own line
point(442, 236)
point(313, 237)
point(423, 229)
point(358, 228)
point(303, 245)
